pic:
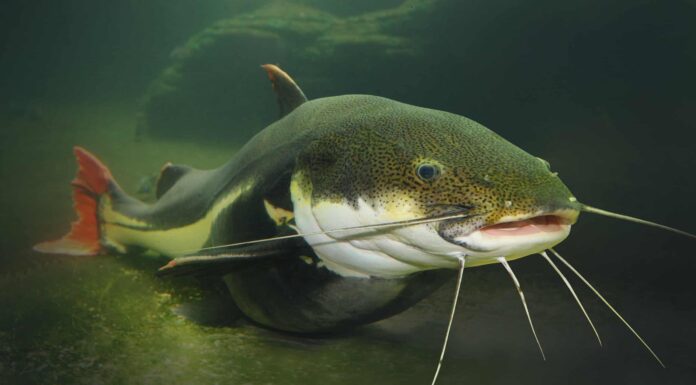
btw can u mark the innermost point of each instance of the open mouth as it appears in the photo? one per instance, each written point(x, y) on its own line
point(528, 226)
point(512, 236)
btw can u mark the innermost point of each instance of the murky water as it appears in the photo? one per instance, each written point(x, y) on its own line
point(610, 104)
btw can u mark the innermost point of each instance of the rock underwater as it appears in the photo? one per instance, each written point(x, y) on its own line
point(211, 88)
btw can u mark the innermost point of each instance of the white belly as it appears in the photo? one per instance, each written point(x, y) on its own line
point(390, 252)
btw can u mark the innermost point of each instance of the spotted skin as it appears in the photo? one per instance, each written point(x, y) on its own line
point(376, 145)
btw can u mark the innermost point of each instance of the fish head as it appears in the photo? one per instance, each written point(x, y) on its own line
point(403, 163)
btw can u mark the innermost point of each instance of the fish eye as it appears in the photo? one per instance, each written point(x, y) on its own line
point(428, 172)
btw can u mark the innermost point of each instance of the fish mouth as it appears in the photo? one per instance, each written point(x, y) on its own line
point(546, 223)
point(513, 236)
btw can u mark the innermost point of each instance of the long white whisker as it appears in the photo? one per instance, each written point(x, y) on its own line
point(594, 210)
point(409, 222)
point(642, 341)
point(451, 318)
point(570, 288)
point(524, 302)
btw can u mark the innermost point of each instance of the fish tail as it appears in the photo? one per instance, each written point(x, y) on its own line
point(92, 181)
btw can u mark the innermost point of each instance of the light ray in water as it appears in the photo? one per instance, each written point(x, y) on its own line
point(451, 318)
point(505, 264)
point(408, 222)
point(594, 210)
point(642, 341)
point(570, 288)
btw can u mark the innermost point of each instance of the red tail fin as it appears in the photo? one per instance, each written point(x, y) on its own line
point(91, 181)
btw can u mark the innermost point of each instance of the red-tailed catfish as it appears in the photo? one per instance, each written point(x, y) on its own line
point(345, 211)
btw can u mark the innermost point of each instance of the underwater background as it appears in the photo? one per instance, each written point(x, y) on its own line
point(605, 91)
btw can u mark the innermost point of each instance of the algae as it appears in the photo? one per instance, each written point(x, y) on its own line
point(194, 92)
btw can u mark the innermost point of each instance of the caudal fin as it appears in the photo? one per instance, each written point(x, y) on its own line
point(92, 180)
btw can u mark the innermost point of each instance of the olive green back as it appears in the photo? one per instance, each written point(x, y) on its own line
point(359, 146)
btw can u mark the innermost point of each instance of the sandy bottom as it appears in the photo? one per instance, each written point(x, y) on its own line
point(108, 320)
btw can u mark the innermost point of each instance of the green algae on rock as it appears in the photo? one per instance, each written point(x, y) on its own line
point(200, 92)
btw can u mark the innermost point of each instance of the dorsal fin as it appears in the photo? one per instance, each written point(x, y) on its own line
point(168, 176)
point(288, 93)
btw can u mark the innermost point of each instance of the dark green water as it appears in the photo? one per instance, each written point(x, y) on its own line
point(605, 92)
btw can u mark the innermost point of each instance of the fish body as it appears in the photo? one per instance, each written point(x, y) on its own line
point(327, 166)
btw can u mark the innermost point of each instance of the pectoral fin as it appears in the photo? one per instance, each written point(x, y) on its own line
point(220, 261)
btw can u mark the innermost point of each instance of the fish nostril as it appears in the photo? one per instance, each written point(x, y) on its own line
point(485, 181)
